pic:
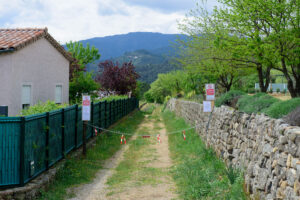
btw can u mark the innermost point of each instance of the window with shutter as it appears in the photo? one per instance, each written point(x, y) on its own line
point(58, 94)
point(26, 96)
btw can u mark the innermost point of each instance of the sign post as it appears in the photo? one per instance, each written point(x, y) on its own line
point(86, 116)
point(208, 105)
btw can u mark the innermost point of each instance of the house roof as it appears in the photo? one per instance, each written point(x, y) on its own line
point(15, 39)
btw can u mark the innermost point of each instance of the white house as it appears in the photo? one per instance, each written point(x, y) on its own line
point(33, 67)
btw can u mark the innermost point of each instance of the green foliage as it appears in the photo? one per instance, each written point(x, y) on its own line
point(198, 172)
point(246, 83)
point(82, 83)
point(84, 55)
point(256, 103)
point(41, 107)
point(148, 97)
point(167, 98)
point(251, 90)
point(239, 38)
point(141, 89)
point(281, 108)
point(111, 98)
point(229, 97)
point(173, 84)
point(232, 174)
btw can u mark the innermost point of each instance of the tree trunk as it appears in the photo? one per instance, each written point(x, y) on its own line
point(293, 89)
point(262, 84)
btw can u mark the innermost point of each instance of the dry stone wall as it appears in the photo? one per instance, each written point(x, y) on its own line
point(266, 149)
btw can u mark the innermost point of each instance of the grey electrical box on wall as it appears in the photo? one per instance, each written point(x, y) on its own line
point(3, 111)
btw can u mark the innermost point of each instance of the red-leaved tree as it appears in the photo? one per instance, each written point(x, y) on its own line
point(119, 79)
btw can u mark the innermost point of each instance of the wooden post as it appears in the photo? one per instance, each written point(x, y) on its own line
point(105, 114)
point(22, 150)
point(76, 125)
point(63, 132)
point(47, 140)
point(92, 117)
point(84, 138)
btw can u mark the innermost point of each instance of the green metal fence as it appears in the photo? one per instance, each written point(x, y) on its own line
point(30, 145)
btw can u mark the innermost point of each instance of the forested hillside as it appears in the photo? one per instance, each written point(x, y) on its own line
point(151, 53)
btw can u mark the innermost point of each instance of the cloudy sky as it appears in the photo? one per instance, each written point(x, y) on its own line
point(81, 19)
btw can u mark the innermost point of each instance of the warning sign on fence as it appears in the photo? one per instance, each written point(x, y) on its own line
point(210, 92)
point(86, 108)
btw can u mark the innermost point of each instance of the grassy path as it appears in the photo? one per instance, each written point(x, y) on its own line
point(144, 171)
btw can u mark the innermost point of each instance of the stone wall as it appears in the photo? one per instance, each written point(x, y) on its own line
point(266, 149)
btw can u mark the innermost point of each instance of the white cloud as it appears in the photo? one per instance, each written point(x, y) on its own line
point(77, 19)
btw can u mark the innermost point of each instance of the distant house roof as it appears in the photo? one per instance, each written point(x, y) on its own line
point(15, 39)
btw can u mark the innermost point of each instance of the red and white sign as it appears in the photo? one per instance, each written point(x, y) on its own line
point(86, 108)
point(210, 92)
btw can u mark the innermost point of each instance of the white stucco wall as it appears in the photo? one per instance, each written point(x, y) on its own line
point(38, 64)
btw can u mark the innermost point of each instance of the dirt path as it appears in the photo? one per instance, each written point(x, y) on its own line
point(140, 170)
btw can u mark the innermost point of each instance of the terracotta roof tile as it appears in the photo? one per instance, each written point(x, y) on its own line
point(14, 39)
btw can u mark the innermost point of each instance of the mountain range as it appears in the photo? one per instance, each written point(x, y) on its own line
point(151, 53)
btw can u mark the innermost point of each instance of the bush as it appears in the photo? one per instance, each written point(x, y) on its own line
point(255, 103)
point(149, 97)
point(279, 109)
point(251, 90)
point(41, 107)
point(293, 118)
point(229, 98)
point(111, 98)
point(278, 90)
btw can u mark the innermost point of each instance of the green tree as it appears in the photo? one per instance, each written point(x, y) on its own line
point(261, 34)
point(83, 55)
point(270, 30)
point(207, 52)
point(82, 83)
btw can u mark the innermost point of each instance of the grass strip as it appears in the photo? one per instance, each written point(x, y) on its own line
point(197, 171)
point(133, 170)
point(78, 171)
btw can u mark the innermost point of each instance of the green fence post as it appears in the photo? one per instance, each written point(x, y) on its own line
point(92, 117)
point(113, 111)
point(110, 113)
point(76, 125)
point(22, 151)
point(105, 114)
point(47, 140)
point(119, 109)
point(123, 107)
point(63, 132)
point(100, 115)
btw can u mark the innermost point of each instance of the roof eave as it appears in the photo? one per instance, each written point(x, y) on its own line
point(6, 50)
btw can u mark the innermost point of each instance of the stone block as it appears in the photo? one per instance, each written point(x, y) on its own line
point(291, 176)
point(283, 139)
point(267, 150)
